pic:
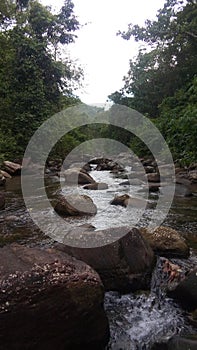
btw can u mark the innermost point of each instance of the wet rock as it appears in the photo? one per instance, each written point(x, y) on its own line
point(5, 174)
point(99, 160)
point(132, 182)
point(166, 242)
point(124, 265)
point(149, 169)
point(2, 180)
point(96, 186)
point(49, 300)
point(12, 218)
point(75, 205)
point(193, 176)
point(106, 164)
point(147, 162)
point(154, 187)
point(77, 176)
point(12, 168)
point(121, 200)
point(186, 291)
point(182, 191)
point(125, 183)
point(177, 342)
point(154, 177)
point(2, 200)
point(125, 200)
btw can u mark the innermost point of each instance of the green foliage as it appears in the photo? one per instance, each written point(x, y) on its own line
point(35, 82)
point(161, 81)
point(178, 123)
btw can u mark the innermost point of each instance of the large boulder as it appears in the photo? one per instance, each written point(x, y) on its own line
point(75, 205)
point(166, 241)
point(124, 265)
point(49, 300)
point(2, 200)
point(77, 176)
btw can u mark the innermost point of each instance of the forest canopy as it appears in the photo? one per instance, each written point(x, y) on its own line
point(36, 81)
point(161, 82)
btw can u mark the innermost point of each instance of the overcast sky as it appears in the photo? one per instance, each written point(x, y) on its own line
point(103, 55)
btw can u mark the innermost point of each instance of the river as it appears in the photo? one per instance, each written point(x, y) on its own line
point(137, 321)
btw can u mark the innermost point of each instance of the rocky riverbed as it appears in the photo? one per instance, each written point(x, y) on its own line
point(156, 268)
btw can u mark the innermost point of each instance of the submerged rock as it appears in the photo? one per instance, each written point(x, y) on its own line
point(75, 205)
point(124, 265)
point(49, 300)
point(166, 241)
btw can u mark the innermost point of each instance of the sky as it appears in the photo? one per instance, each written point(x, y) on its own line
point(102, 54)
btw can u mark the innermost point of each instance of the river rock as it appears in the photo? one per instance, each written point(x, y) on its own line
point(125, 200)
point(75, 205)
point(166, 241)
point(96, 186)
point(49, 300)
point(153, 177)
point(2, 180)
point(147, 162)
point(99, 161)
point(193, 176)
point(186, 291)
point(12, 168)
point(5, 174)
point(124, 265)
point(182, 191)
point(77, 176)
point(2, 200)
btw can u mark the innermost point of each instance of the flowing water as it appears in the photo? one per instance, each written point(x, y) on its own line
point(137, 321)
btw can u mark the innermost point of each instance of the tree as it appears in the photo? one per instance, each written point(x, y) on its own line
point(35, 82)
point(169, 61)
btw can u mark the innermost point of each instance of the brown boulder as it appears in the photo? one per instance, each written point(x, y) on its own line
point(166, 242)
point(77, 176)
point(49, 300)
point(125, 200)
point(75, 205)
point(124, 265)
